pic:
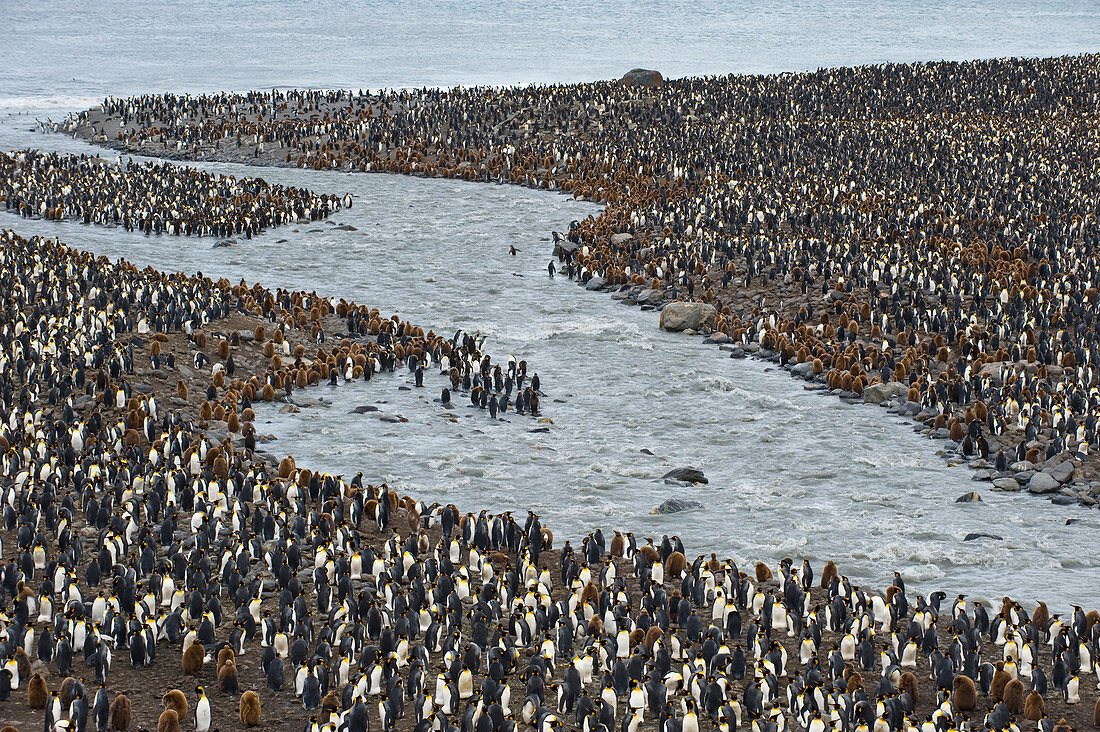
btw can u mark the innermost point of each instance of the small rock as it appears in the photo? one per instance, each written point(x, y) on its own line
point(737, 352)
point(646, 451)
point(289, 409)
point(971, 497)
point(804, 370)
point(595, 283)
point(1006, 485)
point(1063, 501)
point(675, 505)
point(1041, 483)
point(364, 409)
point(979, 535)
point(688, 474)
point(345, 227)
point(717, 338)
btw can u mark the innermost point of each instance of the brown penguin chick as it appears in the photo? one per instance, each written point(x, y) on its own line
point(855, 683)
point(1014, 696)
point(1000, 680)
point(763, 573)
point(618, 545)
point(331, 703)
point(225, 654)
point(65, 693)
point(286, 466)
point(547, 539)
point(1095, 712)
point(192, 659)
point(9, 728)
point(1041, 618)
point(120, 712)
point(177, 702)
point(1034, 707)
point(22, 660)
point(650, 553)
point(181, 390)
point(227, 677)
point(37, 694)
point(964, 696)
point(249, 709)
point(169, 721)
point(652, 636)
point(908, 684)
point(675, 565)
point(1062, 726)
point(595, 627)
point(829, 574)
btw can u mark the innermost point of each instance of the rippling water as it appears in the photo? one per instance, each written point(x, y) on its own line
point(792, 472)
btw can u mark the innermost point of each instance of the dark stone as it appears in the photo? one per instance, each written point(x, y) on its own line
point(646, 451)
point(675, 505)
point(688, 474)
point(642, 77)
point(971, 497)
point(1063, 501)
point(979, 535)
point(364, 409)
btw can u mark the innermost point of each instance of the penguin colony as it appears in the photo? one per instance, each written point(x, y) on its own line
point(92, 468)
point(152, 198)
point(132, 548)
point(932, 224)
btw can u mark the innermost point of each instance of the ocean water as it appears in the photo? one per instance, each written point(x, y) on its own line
point(792, 472)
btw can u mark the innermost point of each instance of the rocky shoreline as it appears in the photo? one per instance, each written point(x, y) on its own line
point(958, 336)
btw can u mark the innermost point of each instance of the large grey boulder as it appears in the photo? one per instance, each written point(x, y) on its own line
point(642, 77)
point(878, 393)
point(1061, 472)
point(1043, 483)
point(678, 316)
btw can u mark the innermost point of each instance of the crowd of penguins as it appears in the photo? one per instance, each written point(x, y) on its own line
point(928, 223)
point(86, 455)
point(130, 539)
point(150, 197)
